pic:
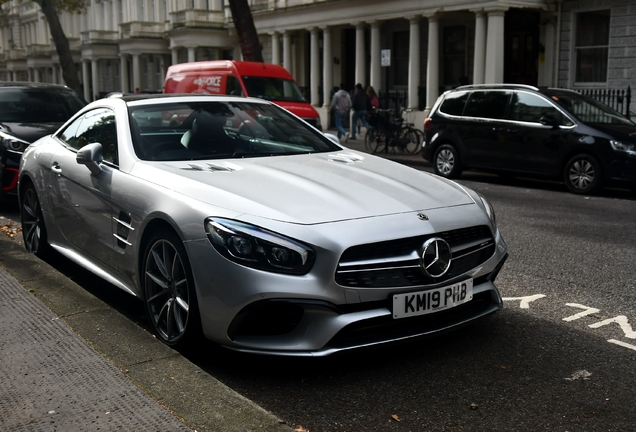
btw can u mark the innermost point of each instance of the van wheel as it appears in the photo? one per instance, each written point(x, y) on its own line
point(583, 175)
point(446, 161)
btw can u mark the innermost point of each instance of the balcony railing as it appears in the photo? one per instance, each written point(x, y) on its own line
point(197, 18)
point(16, 54)
point(99, 36)
point(38, 50)
point(142, 29)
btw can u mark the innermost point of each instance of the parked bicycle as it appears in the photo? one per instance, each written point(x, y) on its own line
point(390, 133)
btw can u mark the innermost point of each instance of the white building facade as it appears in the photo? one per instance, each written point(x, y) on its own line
point(416, 47)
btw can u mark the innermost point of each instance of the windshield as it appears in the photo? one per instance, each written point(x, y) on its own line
point(590, 110)
point(274, 89)
point(221, 130)
point(38, 105)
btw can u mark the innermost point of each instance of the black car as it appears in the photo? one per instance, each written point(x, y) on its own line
point(518, 129)
point(29, 111)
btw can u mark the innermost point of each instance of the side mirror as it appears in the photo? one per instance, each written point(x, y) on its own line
point(549, 120)
point(332, 137)
point(91, 156)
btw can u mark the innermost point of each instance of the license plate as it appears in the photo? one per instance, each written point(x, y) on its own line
point(438, 299)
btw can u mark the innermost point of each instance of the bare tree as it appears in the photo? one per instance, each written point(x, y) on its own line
point(51, 8)
point(246, 30)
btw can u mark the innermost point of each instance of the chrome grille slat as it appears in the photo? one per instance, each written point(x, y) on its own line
point(395, 263)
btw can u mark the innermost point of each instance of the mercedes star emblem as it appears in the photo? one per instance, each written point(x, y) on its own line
point(436, 258)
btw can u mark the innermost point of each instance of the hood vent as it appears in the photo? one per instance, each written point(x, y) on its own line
point(212, 167)
point(346, 158)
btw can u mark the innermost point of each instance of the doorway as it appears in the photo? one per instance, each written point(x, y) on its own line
point(521, 47)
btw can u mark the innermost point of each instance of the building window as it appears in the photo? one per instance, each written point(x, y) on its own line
point(592, 46)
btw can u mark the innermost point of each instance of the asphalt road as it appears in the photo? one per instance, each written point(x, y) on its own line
point(559, 357)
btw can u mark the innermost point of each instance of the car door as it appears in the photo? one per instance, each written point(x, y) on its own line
point(532, 146)
point(484, 131)
point(82, 200)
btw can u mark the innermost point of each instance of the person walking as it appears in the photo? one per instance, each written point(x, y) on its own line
point(374, 101)
point(341, 104)
point(359, 104)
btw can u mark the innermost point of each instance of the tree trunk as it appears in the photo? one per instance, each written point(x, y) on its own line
point(246, 30)
point(69, 71)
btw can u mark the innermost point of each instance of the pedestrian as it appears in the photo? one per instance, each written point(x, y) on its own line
point(374, 101)
point(359, 104)
point(341, 104)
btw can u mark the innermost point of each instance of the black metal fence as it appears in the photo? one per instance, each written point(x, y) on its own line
point(620, 100)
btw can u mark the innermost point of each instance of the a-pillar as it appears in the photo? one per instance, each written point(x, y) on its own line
point(327, 66)
point(495, 47)
point(124, 73)
point(414, 61)
point(276, 48)
point(136, 72)
point(287, 50)
point(360, 54)
point(314, 75)
point(95, 79)
point(86, 81)
point(480, 48)
point(376, 66)
point(432, 68)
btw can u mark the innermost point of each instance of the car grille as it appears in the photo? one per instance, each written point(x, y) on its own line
point(396, 263)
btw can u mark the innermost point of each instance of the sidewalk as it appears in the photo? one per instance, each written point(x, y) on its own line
point(69, 362)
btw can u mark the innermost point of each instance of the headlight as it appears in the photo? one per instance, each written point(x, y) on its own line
point(256, 247)
point(489, 210)
point(623, 147)
point(12, 143)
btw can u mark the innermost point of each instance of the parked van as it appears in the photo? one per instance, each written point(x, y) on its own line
point(230, 77)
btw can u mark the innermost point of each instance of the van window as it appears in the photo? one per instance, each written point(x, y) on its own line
point(487, 104)
point(454, 103)
point(273, 89)
point(530, 108)
point(233, 87)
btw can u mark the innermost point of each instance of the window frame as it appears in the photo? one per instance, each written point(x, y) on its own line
point(577, 49)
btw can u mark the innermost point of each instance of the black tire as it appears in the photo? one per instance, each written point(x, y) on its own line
point(446, 161)
point(168, 287)
point(375, 140)
point(583, 175)
point(33, 227)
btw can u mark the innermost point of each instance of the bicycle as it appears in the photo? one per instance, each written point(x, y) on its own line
point(392, 131)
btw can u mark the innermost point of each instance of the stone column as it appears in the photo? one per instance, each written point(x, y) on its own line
point(86, 81)
point(276, 48)
point(480, 47)
point(287, 50)
point(95, 79)
point(432, 69)
point(376, 68)
point(55, 75)
point(327, 66)
point(495, 47)
point(414, 61)
point(314, 67)
point(36, 75)
point(136, 73)
point(175, 55)
point(191, 54)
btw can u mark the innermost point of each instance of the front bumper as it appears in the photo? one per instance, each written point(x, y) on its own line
point(312, 315)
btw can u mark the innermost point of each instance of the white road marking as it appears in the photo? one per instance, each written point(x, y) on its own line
point(587, 311)
point(524, 302)
point(622, 321)
point(623, 344)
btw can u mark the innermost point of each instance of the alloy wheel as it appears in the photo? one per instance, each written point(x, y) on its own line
point(582, 174)
point(445, 161)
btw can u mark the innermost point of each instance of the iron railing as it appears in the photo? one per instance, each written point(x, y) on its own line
point(620, 100)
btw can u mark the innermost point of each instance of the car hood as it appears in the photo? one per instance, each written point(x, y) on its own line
point(307, 189)
point(618, 131)
point(29, 132)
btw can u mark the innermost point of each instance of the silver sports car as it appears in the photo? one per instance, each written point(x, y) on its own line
point(233, 218)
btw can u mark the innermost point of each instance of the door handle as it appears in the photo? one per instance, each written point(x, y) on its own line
point(56, 168)
point(512, 131)
point(497, 129)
